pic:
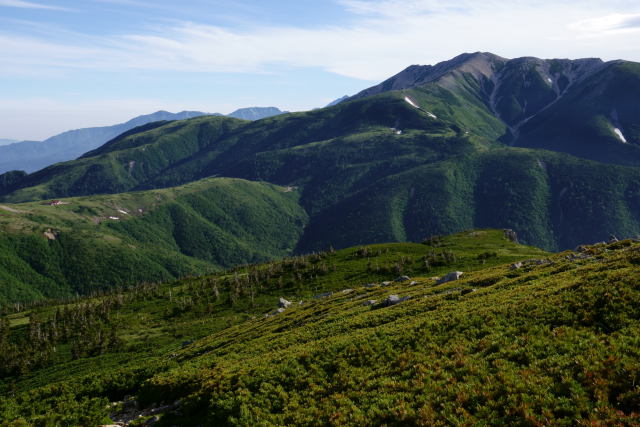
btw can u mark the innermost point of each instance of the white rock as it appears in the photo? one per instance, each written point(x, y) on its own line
point(283, 303)
point(450, 277)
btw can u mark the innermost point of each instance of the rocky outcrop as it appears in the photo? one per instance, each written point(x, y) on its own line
point(391, 300)
point(283, 303)
point(450, 277)
point(511, 235)
point(323, 295)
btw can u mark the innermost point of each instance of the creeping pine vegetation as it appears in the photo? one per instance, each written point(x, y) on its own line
point(522, 337)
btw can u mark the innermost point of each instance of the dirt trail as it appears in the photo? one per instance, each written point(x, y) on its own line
point(8, 209)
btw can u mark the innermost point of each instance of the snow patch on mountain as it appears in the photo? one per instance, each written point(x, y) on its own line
point(620, 135)
point(413, 104)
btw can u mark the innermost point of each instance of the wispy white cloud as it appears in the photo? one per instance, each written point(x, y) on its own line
point(403, 8)
point(608, 24)
point(29, 5)
point(383, 37)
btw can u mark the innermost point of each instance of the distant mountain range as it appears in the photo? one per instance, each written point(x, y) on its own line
point(31, 156)
point(5, 141)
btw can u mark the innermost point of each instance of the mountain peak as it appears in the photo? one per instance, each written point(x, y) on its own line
point(476, 63)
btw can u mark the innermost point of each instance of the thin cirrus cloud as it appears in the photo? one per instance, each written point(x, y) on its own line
point(608, 24)
point(382, 37)
point(29, 5)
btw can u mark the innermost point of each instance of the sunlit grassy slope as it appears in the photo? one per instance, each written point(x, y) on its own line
point(552, 342)
point(97, 242)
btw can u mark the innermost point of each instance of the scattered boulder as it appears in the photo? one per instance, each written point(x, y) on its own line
point(386, 283)
point(370, 285)
point(323, 295)
point(450, 277)
point(128, 410)
point(347, 291)
point(613, 239)
point(511, 235)
point(275, 312)
point(540, 261)
point(413, 282)
point(369, 302)
point(402, 279)
point(574, 257)
point(391, 300)
point(283, 303)
point(516, 265)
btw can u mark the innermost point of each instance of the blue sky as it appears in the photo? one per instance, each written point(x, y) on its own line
point(67, 64)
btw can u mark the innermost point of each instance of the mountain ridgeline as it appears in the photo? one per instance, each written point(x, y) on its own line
point(31, 156)
point(548, 148)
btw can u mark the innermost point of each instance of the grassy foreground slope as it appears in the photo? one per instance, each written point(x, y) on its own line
point(554, 341)
point(97, 242)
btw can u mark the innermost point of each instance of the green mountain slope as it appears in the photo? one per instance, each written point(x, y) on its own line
point(362, 182)
point(125, 162)
point(171, 154)
point(584, 122)
point(552, 200)
point(552, 340)
point(571, 106)
point(31, 156)
point(99, 242)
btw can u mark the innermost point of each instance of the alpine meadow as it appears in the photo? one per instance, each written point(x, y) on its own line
point(458, 244)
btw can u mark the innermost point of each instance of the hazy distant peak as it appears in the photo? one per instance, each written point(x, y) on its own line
point(256, 113)
point(337, 101)
point(7, 141)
